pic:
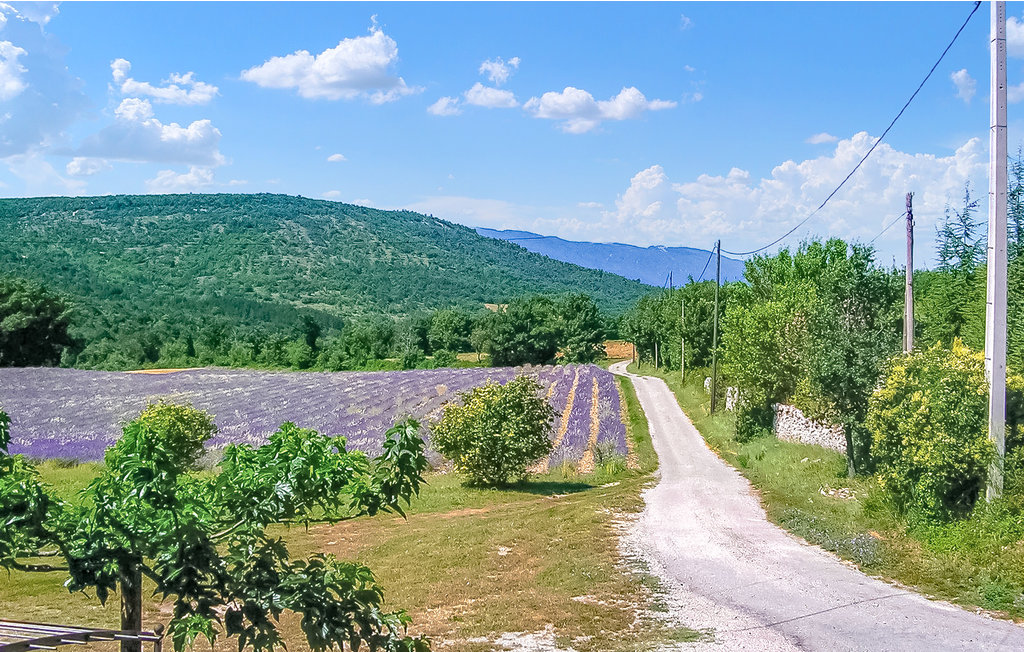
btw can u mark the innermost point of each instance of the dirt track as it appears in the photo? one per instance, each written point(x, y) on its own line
point(730, 571)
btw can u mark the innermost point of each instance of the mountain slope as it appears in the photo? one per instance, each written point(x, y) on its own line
point(651, 265)
point(258, 257)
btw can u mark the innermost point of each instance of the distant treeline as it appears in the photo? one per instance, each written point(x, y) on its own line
point(38, 327)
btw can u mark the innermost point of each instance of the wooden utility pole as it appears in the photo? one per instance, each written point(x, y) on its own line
point(908, 315)
point(714, 332)
point(995, 305)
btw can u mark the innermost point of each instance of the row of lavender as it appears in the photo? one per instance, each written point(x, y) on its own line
point(71, 413)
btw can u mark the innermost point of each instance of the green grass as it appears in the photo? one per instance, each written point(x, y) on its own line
point(466, 563)
point(975, 562)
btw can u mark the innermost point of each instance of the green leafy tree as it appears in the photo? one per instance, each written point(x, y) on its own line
point(449, 330)
point(854, 327)
point(523, 332)
point(497, 432)
point(581, 330)
point(33, 325)
point(203, 539)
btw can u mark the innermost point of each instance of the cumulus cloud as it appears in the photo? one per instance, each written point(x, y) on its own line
point(445, 106)
point(136, 135)
point(497, 70)
point(489, 97)
point(1014, 37)
point(39, 177)
point(966, 86)
point(823, 137)
point(40, 96)
point(336, 158)
point(358, 67)
point(169, 181)
point(332, 194)
point(748, 210)
point(685, 22)
point(579, 112)
point(12, 81)
point(82, 166)
point(177, 89)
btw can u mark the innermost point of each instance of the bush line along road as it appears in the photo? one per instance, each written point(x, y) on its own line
point(757, 587)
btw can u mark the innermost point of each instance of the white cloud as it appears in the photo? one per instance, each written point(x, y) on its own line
point(823, 137)
point(1014, 37)
point(82, 166)
point(177, 89)
point(332, 194)
point(491, 98)
point(336, 158)
point(444, 107)
point(497, 70)
point(580, 112)
point(40, 96)
point(685, 22)
point(136, 135)
point(12, 81)
point(689, 68)
point(169, 181)
point(966, 86)
point(747, 211)
point(39, 177)
point(1015, 94)
point(362, 202)
point(358, 67)
point(590, 204)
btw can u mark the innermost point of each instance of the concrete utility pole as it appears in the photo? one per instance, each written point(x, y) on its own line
point(995, 306)
point(908, 317)
point(714, 332)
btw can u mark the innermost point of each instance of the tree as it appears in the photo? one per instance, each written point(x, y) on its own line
point(581, 330)
point(523, 332)
point(33, 325)
point(203, 539)
point(497, 432)
point(449, 330)
point(854, 327)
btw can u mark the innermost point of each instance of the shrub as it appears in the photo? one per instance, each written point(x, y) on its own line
point(753, 421)
point(444, 358)
point(497, 432)
point(929, 423)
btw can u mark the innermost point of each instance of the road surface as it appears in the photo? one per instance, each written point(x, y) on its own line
point(754, 586)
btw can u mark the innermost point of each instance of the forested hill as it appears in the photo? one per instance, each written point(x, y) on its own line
point(250, 256)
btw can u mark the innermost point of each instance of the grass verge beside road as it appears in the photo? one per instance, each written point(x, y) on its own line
point(976, 562)
point(470, 565)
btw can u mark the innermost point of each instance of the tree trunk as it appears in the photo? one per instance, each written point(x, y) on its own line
point(131, 606)
point(851, 462)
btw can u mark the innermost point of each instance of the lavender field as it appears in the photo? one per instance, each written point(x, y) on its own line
point(77, 414)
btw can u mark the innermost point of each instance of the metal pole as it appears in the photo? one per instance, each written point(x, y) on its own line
point(714, 332)
point(995, 306)
point(908, 316)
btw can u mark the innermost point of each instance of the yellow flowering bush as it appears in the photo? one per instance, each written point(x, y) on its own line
point(497, 432)
point(929, 421)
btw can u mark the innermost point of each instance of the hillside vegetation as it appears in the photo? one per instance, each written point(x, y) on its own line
point(257, 258)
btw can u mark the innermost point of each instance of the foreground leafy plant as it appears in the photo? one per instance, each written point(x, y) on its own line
point(497, 432)
point(203, 539)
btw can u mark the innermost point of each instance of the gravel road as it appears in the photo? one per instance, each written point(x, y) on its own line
point(756, 587)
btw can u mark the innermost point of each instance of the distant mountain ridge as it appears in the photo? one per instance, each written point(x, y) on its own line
point(649, 265)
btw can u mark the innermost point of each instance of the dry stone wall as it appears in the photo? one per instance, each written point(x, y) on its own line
point(792, 425)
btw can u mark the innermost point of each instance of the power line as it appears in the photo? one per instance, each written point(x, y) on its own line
point(891, 224)
point(708, 262)
point(865, 157)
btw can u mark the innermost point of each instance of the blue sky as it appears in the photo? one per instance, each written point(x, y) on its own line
point(660, 123)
